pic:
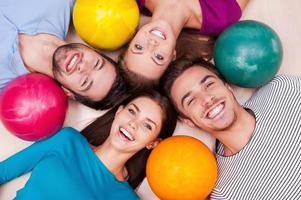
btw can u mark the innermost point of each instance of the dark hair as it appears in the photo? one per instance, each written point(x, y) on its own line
point(98, 131)
point(178, 67)
point(194, 44)
point(134, 80)
point(114, 96)
point(188, 43)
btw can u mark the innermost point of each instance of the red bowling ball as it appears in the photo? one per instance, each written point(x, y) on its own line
point(33, 107)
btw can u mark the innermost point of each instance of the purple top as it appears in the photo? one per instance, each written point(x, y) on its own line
point(143, 9)
point(140, 4)
point(216, 15)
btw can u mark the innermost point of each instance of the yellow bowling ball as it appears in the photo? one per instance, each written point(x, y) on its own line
point(106, 24)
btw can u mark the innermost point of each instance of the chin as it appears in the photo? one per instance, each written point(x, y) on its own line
point(222, 125)
point(225, 125)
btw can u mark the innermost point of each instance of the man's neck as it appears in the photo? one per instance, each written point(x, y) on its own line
point(239, 134)
point(37, 51)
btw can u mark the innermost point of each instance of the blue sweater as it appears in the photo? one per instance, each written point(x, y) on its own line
point(30, 17)
point(64, 167)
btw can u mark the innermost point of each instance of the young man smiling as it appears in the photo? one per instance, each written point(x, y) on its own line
point(32, 40)
point(259, 148)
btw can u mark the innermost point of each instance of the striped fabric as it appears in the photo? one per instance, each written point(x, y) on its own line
point(269, 166)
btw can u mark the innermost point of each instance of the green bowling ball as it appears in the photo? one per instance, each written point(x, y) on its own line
point(248, 53)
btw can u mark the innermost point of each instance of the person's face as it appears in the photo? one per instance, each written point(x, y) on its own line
point(151, 50)
point(204, 99)
point(137, 125)
point(84, 71)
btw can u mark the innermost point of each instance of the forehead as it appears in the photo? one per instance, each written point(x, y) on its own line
point(143, 64)
point(148, 107)
point(189, 78)
point(89, 50)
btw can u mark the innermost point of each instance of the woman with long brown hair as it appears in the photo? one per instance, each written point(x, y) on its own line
point(65, 166)
point(152, 49)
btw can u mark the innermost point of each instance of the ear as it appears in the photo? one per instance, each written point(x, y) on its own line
point(68, 93)
point(154, 143)
point(174, 55)
point(187, 121)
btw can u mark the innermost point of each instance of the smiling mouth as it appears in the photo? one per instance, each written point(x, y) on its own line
point(215, 110)
point(126, 134)
point(158, 33)
point(71, 62)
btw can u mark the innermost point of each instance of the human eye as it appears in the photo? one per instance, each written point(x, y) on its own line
point(148, 126)
point(190, 101)
point(99, 64)
point(84, 82)
point(131, 111)
point(209, 83)
point(159, 57)
point(138, 47)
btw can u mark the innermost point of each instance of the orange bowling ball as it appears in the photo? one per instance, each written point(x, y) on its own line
point(181, 167)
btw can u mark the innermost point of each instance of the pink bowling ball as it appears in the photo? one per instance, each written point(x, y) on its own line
point(33, 106)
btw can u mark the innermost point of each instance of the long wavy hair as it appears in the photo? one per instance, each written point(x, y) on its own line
point(98, 131)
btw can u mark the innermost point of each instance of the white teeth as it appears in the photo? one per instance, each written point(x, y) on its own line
point(158, 34)
point(126, 134)
point(215, 111)
point(72, 62)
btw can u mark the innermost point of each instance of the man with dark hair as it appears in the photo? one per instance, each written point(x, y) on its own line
point(258, 144)
point(32, 40)
point(89, 76)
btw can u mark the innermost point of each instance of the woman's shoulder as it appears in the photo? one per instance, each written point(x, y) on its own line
point(67, 135)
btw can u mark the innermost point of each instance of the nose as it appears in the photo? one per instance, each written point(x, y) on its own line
point(81, 68)
point(208, 100)
point(152, 42)
point(133, 124)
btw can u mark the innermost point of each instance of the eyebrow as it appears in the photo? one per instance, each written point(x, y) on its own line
point(203, 80)
point(148, 119)
point(136, 107)
point(151, 121)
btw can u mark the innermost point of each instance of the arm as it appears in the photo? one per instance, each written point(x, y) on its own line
point(242, 3)
point(25, 160)
point(22, 162)
point(9, 67)
point(218, 15)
